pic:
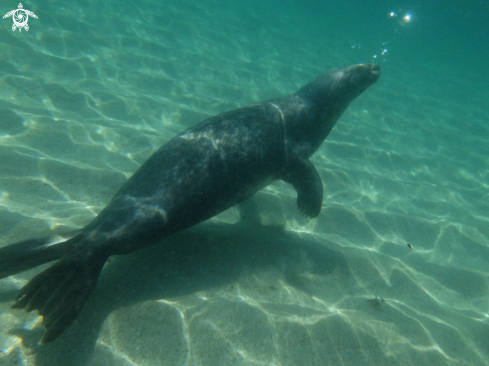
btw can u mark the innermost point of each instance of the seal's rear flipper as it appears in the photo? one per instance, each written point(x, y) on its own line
point(60, 292)
point(27, 254)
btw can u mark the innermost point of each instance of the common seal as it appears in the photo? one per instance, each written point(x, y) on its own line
point(205, 170)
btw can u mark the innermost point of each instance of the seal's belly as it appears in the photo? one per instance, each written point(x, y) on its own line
point(186, 182)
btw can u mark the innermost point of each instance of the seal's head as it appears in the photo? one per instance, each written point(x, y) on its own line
point(326, 98)
point(341, 86)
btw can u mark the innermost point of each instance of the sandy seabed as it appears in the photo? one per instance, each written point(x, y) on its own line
point(86, 96)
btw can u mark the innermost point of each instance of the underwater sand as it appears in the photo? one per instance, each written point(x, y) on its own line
point(92, 89)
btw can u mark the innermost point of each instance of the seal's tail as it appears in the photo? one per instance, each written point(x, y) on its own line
point(60, 292)
point(24, 255)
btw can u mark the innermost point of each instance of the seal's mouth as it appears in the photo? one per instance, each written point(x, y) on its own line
point(375, 70)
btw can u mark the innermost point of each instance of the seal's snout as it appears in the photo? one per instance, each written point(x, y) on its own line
point(375, 70)
point(364, 73)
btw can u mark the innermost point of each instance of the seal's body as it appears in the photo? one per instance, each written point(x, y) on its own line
point(205, 170)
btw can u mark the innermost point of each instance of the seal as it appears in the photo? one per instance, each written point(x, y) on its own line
point(205, 170)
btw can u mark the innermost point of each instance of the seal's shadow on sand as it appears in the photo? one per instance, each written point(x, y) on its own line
point(209, 255)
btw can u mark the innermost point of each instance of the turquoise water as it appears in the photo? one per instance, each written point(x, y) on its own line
point(93, 88)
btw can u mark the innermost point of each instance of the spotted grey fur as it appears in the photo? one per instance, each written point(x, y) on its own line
point(207, 169)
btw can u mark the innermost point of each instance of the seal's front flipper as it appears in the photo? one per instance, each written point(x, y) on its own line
point(60, 292)
point(305, 179)
point(248, 210)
